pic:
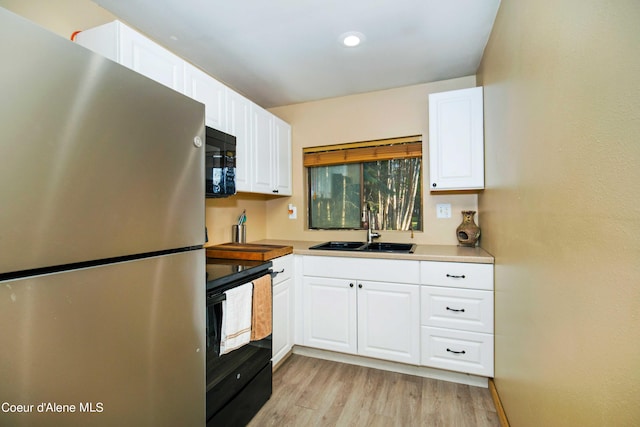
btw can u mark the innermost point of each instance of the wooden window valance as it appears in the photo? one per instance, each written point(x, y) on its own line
point(365, 151)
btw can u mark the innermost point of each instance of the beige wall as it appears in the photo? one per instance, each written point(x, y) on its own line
point(560, 212)
point(62, 17)
point(222, 214)
point(375, 115)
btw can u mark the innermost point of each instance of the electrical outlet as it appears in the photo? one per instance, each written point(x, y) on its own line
point(293, 212)
point(443, 210)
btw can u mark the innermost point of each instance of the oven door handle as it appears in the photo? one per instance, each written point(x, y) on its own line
point(215, 299)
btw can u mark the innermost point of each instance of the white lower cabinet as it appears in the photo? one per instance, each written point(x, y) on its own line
point(330, 317)
point(365, 317)
point(388, 318)
point(464, 309)
point(426, 313)
point(456, 317)
point(283, 308)
point(455, 350)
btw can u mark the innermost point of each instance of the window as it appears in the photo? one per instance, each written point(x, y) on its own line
point(386, 174)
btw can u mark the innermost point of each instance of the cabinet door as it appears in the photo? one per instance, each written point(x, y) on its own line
point(283, 307)
point(239, 125)
point(149, 59)
point(282, 320)
point(389, 321)
point(261, 136)
point(330, 314)
point(103, 39)
point(204, 88)
point(456, 140)
point(282, 157)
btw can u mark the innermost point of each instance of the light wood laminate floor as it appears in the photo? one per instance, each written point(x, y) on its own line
point(315, 392)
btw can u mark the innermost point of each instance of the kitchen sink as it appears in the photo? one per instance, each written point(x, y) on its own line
point(340, 246)
point(391, 247)
point(406, 248)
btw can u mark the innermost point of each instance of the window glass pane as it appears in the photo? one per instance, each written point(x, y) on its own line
point(393, 190)
point(334, 196)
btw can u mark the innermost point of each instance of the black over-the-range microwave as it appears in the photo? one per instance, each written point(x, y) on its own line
point(220, 164)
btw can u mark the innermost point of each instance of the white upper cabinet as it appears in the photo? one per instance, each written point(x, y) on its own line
point(282, 157)
point(456, 140)
point(239, 124)
point(271, 151)
point(263, 141)
point(213, 94)
point(120, 43)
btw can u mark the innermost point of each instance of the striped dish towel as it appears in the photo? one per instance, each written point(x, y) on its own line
point(236, 318)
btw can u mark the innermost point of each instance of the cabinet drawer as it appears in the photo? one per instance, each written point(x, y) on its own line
point(457, 274)
point(464, 309)
point(284, 267)
point(381, 270)
point(468, 352)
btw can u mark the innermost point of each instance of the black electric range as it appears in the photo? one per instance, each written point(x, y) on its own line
point(238, 382)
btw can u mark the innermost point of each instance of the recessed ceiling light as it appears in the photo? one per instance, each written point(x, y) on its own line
point(351, 38)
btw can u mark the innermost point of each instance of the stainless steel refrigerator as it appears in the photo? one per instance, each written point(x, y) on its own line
point(101, 230)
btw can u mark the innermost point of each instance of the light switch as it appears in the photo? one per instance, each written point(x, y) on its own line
point(443, 210)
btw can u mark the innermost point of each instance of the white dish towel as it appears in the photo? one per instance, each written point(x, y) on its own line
point(236, 318)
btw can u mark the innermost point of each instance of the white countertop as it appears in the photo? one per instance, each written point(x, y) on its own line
point(446, 253)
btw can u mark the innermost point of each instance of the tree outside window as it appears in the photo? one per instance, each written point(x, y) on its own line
point(392, 188)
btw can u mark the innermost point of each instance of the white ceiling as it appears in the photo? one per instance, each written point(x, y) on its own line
point(280, 52)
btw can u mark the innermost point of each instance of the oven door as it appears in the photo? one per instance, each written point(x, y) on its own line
point(231, 374)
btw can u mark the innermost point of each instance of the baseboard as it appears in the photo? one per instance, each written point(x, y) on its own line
point(504, 422)
point(421, 371)
point(281, 361)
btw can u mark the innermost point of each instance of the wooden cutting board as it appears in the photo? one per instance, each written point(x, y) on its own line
point(248, 251)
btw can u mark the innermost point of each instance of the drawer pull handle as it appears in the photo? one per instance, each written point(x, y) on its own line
point(456, 352)
point(453, 276)
point(456, 309)
point(275, 273)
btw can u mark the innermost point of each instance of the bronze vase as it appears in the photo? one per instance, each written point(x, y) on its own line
point(468, 232)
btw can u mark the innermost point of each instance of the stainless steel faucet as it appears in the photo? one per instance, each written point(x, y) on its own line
point(370, 233)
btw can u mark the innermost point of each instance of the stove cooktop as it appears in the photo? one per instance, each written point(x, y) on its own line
point(223, 271)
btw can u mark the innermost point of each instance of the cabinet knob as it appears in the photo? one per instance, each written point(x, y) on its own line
point(456, 352)
point(351, 285)
point(360, 285)
point(453, 276)
point(434, 185)
point(275, 191)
